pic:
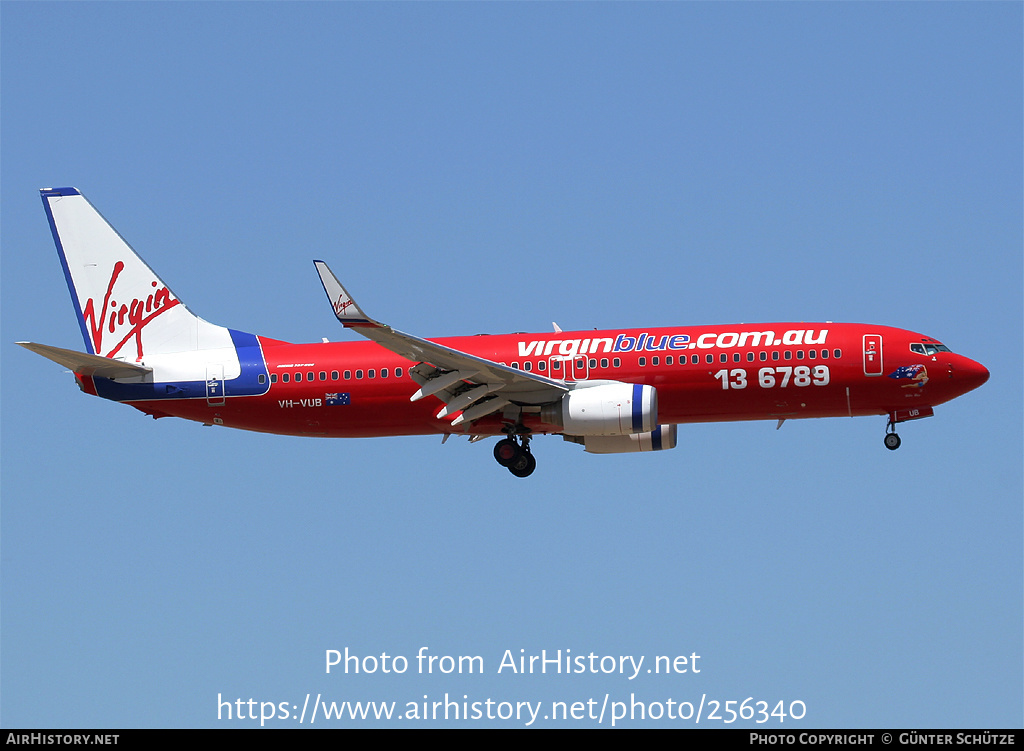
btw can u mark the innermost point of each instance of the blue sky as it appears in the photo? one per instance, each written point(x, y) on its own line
point(472, 168)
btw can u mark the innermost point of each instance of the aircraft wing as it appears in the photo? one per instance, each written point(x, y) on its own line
point(473, 385)
point(88, 365)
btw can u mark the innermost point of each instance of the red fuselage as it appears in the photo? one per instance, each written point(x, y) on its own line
point(702, 374)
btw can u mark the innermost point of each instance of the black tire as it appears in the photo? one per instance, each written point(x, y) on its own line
point(524, 466)
point(506, 451)
point(892, 441)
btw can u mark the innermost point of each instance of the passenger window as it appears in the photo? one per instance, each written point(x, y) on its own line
point(383, 372)
point(298, 377)
point(775, 355)
point(695, 359)
point(542, 366)
point(309, 376)
point(273, 377)
point(527, 365)
point(762, 356)
point(837, 353)
point(710, 359)
point(323, 375)
point(643, 361)
point(284, 378)
point(668, 359)
point(616, 362)
point(655, 361)
point(398, 372)
point(371, 373)
point(334, 375)
point(262, 379)
point(789, 354)
point(750, 357)
point(359, 374)
point(604, 362)
point(799, 354)
point(348, 375)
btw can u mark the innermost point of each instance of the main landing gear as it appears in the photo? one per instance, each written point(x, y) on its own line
point(513, 453)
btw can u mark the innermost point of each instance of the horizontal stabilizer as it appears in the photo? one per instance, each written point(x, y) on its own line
point(88, 365)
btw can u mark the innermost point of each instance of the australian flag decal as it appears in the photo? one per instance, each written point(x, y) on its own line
point(906, 371)
point(337, 400)
point(918, 375)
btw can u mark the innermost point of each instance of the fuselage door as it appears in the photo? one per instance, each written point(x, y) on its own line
point(872, 354)
point(570, 369)
point(580, 368)
point(214, 384)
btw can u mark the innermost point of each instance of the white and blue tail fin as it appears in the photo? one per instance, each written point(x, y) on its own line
point(142, 343)
point(124, 309)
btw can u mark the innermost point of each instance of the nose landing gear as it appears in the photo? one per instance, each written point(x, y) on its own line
point(514, 454)
point(892, 441)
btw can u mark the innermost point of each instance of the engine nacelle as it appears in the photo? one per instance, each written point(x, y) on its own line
point(612, 409)
point(661, 438)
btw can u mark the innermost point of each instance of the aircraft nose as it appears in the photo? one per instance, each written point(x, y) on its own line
point(971, 374)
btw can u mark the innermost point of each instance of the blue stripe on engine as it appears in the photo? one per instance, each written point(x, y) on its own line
point(638, 408)
point(656, 438)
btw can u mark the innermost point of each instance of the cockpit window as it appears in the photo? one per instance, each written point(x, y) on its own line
point(928, 348)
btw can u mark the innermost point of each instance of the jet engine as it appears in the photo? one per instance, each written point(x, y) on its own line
point(611, 409)
point(661, 438)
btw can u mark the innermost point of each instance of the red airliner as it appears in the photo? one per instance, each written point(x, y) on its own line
point(612, 391)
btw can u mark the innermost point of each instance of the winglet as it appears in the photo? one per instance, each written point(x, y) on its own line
point(345, 307)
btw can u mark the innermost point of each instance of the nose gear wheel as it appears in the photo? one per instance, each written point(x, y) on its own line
point(892, 441)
